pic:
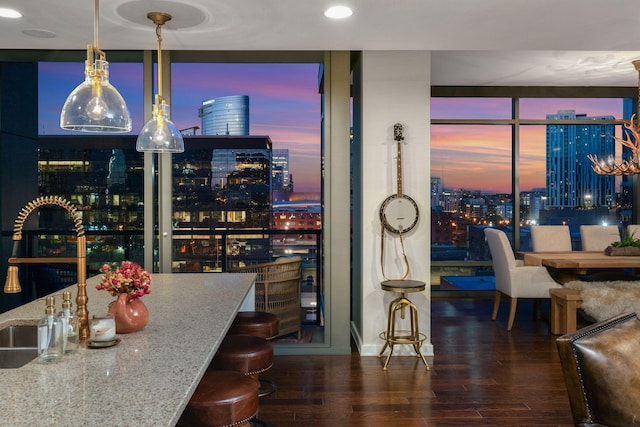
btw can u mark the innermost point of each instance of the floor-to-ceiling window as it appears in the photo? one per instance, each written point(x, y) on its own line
point(515, 161)
point(291, 119)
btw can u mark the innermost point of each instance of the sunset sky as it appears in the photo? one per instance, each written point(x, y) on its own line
point(285, 105)
point(478, 157)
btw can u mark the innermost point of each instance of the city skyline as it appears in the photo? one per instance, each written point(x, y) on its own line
point(478, 157)
point(285, 105)
point(284, 100)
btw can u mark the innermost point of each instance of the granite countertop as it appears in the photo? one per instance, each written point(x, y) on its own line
point(145, 380)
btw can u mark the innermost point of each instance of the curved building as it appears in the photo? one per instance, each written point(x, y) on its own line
point(226, 115)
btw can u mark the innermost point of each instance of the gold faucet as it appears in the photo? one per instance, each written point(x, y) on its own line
point(12, 284)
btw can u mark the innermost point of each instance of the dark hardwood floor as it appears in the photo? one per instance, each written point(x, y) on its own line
point(482, 375)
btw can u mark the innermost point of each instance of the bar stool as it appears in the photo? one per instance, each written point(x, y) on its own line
point(247, 354)
point(396, 336)
point(260, 324)
point(257, 323)
point(222, 399)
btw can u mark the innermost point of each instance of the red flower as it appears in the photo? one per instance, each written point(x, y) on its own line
point(129, 278)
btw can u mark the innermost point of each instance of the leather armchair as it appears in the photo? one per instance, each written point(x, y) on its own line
point(601, 370)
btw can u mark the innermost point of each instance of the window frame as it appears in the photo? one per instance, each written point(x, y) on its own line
point(516, 93)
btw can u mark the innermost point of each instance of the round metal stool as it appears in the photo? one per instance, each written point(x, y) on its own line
point(394, 336)
point(222, 399)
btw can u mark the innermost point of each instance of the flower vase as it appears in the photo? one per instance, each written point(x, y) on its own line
point(131, 315)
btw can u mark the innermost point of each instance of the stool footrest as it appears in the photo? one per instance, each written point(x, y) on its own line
point(408, 338)
point(267, 387)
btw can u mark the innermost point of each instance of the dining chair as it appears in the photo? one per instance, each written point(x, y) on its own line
point(598, 237)
point(278, 291)
point(514, 279)
point(550, 238)
point(633, 230)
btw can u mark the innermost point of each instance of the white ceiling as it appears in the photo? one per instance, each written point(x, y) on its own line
point(475, 42)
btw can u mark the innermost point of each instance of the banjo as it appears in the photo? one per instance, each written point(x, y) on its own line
point(398, 212)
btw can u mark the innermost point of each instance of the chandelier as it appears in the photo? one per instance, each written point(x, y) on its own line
point(631, 165)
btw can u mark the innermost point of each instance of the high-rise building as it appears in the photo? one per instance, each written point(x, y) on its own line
point(436, 192)
point(532, 202)
point(226, 115)
point(452, 200)
point(281, 177)
point(103, 177)
point(571, 183)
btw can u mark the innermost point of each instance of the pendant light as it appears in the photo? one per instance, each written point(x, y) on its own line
point(95, 105)
point(160, 135)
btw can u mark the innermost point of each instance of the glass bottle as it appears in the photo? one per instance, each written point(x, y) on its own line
point(50, 335)
point(70, 325)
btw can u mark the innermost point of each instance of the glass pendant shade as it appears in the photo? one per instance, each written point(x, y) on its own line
point(160, 135)
point(95, 105)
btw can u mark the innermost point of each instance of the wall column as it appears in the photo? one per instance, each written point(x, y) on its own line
point(395, 87)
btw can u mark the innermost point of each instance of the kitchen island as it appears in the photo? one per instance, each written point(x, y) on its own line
point(145, 380)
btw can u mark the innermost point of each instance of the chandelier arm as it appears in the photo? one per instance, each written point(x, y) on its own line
point(632, 146)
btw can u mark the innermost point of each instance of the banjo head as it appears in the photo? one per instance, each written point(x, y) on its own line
point(399, 214)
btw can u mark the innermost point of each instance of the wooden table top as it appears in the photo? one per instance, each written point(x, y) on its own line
point(579, 260)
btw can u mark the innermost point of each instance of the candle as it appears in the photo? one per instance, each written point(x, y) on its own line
point(103, 328)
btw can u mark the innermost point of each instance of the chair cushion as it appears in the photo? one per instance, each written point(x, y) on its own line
point(223, 398)
point(601, 369)
point(243, 353)
point(258, 323)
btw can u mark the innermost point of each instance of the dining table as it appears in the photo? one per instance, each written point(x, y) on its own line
point(572, 265)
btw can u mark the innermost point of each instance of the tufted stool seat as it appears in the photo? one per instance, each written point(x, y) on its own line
point(222, 399)
point(260, 324)
point(247, 354)
point(257, 323)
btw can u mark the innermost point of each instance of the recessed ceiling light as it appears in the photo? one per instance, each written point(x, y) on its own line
point(9, 13)
point(338, 12)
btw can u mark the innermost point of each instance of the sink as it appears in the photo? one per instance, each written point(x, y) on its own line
point(18, 345)
point(11, 358)
point(19, 336)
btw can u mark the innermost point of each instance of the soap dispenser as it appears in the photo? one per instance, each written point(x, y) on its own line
point(50, 335)
point(70, 325)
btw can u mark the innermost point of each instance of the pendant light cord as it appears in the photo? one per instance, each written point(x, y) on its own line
point(159, 35)
point(96, 19)
point(96, 41)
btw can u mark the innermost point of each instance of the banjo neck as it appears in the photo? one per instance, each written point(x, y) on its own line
point(397, 132)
